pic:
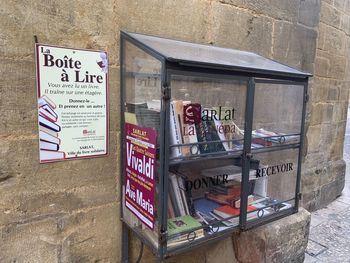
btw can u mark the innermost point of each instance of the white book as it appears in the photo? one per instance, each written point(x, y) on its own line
point(48, 146)
point(176, 188)
point(49, 124)
point(48, 137)
point(175, 134)
point(51, 132)
point(50, 155)
point(183, 194)
point(45, 100)
point(47, 114)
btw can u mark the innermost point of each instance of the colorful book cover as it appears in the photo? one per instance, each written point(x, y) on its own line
point(182, 224)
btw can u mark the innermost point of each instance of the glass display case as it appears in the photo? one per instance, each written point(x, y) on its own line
point(211, 141)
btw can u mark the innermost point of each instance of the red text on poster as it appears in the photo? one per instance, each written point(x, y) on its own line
point(140, 172)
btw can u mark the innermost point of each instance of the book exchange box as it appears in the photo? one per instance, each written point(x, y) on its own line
point(211, 141)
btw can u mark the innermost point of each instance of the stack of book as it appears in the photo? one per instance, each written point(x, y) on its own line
point(270, 138)
point(179, 200)
point(183, 229)
point(48, 130)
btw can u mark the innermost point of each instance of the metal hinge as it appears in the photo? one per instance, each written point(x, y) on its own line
point(166, 92)
point(248, 155)
point(307, 97)
point(163, 236)
point(300, 195)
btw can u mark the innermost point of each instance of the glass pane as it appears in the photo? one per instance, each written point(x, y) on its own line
point(273, 183)
point(185, 51)
point(275, 147)
point(207, 119)
point(277, 116)
point(142, 106)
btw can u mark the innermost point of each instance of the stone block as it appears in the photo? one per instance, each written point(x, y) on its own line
point(311, 200)
point(285, 240)
point(331, 191)
point(330, 15)
point(114, 99)
point(294, 45)
point(56, 187)
point(240, 29)
point(330, 65)
point(73, 27)
point(320, 89)
point(340, 5)
point(221, 252)
point(313, 138)
point(345, 24)
point(309, 12)
point(18, 103)
point(183, 20)
point(310, 179)
point(278, 9)
point(90, 236)
point(335, 41)
point(29, 242)
point(317, 113)
point(340, 111)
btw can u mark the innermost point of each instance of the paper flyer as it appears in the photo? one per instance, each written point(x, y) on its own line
point(72, 87)
point(139, 174)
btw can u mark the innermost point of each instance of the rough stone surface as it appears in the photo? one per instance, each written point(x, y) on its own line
point(323, 176)
point(282, 241)
point(68, 211)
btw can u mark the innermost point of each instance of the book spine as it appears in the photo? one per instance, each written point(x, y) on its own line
point(173, 198)
point(177, 194)
point(51, 155)
point(49, 146)
point(183, 194)
point(175, 132)
point(49, 138)
point(221, 135)
point(48, 131)
point(48, 124)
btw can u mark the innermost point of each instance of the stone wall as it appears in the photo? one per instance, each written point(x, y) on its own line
point(69, 211)
point(324, 168)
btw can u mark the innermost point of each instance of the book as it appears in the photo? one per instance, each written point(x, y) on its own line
point(49, 131)
point(48, 137)
point(45, 100)
point(190, 131)
point(173, 198)
point(48, 146)
point(51, 155)
point(229, 211)
point(178, 199)
point(48, 108)
point(233, 172)
point(182, 225)
point(206, 132)
point(175, 133)
point(223, 199)
point(130, 118)
point(183, 194)
point(205, 206)
point(47, 114)
point(48, 124)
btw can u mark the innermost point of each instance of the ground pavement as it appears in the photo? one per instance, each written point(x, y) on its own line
point(329, 240)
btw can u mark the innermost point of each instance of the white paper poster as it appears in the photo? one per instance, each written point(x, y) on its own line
point(72, 103)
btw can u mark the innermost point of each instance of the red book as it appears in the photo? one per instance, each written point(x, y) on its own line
point(228, 211)
point(223, 199)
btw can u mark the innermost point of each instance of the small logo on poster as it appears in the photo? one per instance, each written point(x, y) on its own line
point(89, 132)
point(192, 113)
